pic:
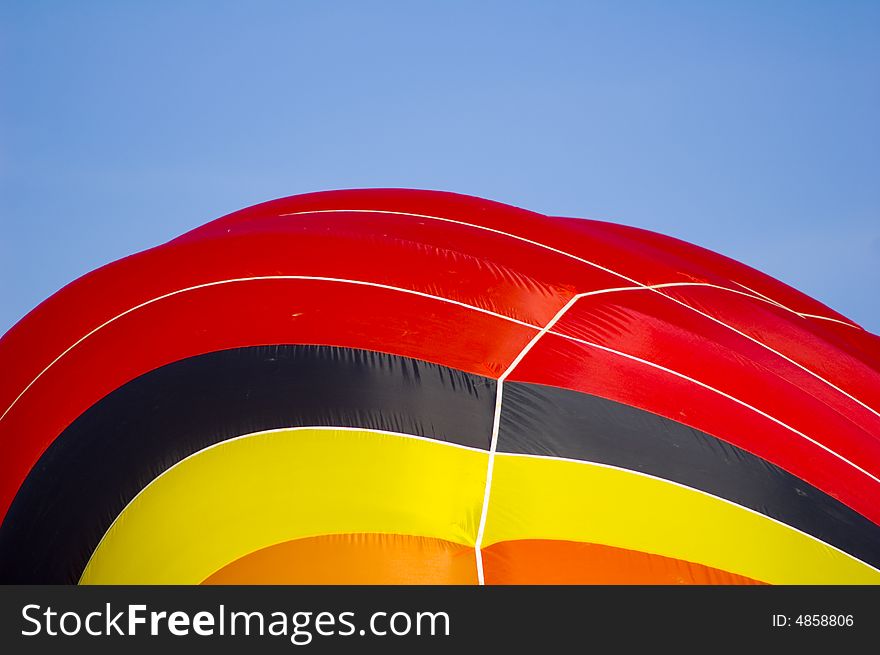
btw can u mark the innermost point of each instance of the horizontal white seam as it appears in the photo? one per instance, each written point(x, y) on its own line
point(503, 454)
point(721, 393)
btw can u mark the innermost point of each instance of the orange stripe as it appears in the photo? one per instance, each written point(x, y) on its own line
point(405, 559)
point(542, 561)
point(354, 559)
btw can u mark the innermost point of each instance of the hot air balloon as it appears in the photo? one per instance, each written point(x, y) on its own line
point(398, 386)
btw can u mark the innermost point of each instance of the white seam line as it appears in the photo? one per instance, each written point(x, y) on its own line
point(834, 320)
point(260, 433)
point(689, 488)
point(803, 314)
point(496, 424)
point(754, 294)
point(722, 393)
point(758, 293)
point(759, 296)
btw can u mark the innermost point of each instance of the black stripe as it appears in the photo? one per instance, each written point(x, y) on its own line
point(543, 420)
point(113, 450)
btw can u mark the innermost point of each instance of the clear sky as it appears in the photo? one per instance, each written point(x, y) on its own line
point(751, 128)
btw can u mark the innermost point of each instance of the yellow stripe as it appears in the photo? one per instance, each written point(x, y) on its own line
point(259, 490)
point(252, 492)
point(539, 498)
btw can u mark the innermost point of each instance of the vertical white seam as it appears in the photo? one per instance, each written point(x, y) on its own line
point(496, 423)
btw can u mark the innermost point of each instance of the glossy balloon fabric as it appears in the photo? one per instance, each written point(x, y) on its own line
point(396, 386)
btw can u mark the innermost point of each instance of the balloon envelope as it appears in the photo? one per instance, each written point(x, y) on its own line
point(394, 386)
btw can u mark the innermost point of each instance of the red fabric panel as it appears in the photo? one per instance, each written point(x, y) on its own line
point(848, 357)
point(649, 326)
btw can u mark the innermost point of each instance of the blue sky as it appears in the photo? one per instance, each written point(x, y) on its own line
point(751, 128)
